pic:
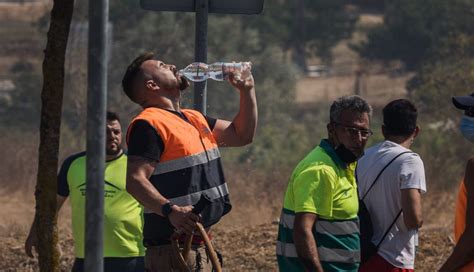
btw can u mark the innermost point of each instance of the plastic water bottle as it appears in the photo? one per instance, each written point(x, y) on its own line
point(196, 71)
point(219, 71)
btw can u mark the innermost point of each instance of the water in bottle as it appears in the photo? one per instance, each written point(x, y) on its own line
point(218, 71)
point(196, 71)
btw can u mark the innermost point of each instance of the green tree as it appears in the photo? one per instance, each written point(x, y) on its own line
point(306, 28)
point(441, 145)
point(418, 31)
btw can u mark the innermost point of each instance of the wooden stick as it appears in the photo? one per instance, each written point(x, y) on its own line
point(183, 266)
point(187, 247)
point(210, 249)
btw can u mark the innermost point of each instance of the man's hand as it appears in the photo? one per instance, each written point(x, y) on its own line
point(183, 219)
point(246, 84)
point(31, 242)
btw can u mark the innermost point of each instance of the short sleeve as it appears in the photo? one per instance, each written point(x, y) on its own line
point(144, 141)
point(412, 173)
point(313, 192)
point(63, 186)
point(211, 122)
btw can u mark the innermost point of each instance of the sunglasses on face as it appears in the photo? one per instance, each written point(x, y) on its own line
point(355, 132)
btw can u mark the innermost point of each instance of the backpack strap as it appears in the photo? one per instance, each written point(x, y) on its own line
point(388, 229)
point(380, 173)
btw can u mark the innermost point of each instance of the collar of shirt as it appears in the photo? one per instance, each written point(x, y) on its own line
point(326, 146)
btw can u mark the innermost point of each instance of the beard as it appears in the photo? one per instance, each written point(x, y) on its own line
point(183, 83)
point(113, 151)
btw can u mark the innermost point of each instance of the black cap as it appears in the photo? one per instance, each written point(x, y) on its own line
point(464, 102)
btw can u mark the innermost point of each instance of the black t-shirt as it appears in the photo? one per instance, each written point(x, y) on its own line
point(144, 140)
point(63, 186)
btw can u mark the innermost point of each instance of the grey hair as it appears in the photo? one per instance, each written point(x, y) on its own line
point(350, 102)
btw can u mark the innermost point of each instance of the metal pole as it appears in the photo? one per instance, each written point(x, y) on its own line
point(200, 53)
point(96, 107)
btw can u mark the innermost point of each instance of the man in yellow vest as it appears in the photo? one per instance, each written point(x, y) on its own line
point(174, 158)
point(123, 220)
point(462, 257)
point(319, 227)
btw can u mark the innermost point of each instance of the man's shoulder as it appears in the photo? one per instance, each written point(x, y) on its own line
point(385, 149)
point(317, 156)
point(73, 157)
point(317, 161)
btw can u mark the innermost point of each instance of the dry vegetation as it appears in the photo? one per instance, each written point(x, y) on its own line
point(247, 235)
point(29, 11)
point(377, 88)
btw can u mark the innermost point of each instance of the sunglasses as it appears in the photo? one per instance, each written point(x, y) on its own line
point(355, 132)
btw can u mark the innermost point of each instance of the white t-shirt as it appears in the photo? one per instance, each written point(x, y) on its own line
point(384, 200)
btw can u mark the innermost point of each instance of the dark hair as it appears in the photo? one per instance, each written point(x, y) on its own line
point(112, 116)
point(128, 79)
point(349, 102)
point(399, 118)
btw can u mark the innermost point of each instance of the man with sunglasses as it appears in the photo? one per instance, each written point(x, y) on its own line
point(462, 257)
point(391, 179)
point(318, 229)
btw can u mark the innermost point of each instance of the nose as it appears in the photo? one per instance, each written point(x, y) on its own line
point(358, 139)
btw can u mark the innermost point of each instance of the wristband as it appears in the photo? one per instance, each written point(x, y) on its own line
point(166, 209)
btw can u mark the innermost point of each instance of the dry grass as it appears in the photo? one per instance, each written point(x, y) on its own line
point(246, 236)
point(26, 12)
point(377, 89)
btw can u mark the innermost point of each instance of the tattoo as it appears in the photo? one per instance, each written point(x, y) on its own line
point(138, 160)
point(138, 164)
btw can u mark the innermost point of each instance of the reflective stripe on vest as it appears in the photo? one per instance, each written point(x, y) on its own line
point(322, 227)
point(186, 162)
point(191, 199)
point(337, 227)
point(325, 254)
point(286, 249)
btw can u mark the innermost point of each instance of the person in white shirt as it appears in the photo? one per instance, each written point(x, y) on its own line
point(394, 201)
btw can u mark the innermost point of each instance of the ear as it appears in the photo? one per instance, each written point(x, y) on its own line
point(330, 128)
point(151, 84)
point(383, 131)
point(417, 131)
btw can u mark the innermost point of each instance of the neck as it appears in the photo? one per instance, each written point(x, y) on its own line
point(164, 102)
point(401, 140)
point(114, 156)
point(333, 141)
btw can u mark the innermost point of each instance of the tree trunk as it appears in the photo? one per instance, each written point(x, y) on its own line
point(51, 106)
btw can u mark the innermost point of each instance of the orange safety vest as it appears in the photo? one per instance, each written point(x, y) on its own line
point(460, 221)
point(189, 167)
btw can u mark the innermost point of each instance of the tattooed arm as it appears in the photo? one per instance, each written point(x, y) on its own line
point(139, 170)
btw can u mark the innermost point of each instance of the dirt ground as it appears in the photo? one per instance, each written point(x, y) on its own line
point(246, 246)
